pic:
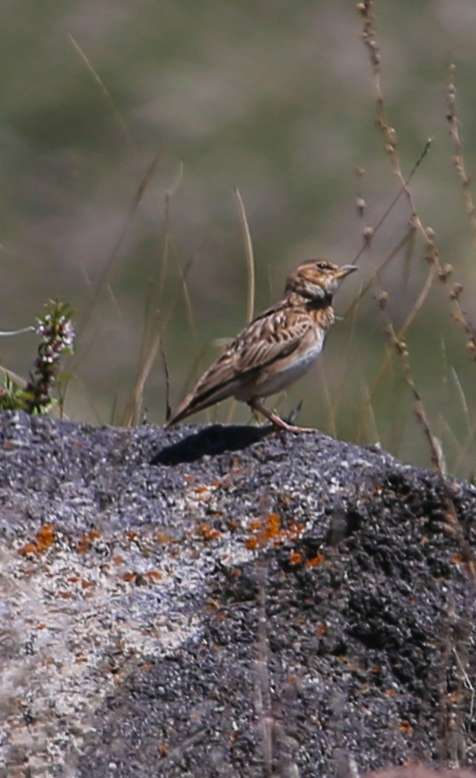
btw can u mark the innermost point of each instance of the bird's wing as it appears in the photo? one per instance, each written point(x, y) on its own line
point(271, 336)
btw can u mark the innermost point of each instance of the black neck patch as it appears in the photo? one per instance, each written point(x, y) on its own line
point(315, 303)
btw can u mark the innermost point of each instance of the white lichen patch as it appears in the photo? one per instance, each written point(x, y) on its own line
point(65, 647)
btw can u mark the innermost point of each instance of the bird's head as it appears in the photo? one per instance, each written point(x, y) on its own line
point(317, 279)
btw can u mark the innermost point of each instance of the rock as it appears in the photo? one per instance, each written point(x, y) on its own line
point(419, 771)
point(222, 601)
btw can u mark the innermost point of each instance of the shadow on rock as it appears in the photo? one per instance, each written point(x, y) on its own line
point(213, 440)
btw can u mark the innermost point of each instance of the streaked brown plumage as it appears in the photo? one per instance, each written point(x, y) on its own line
point(276, 348)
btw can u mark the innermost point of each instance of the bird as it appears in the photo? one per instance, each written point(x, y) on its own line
point(275, 349)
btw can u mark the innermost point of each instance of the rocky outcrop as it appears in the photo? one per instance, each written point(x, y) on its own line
point(223, 601)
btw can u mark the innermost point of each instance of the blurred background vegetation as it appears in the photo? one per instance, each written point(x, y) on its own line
point(275, 98)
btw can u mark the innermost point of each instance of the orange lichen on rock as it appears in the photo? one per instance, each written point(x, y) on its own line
point(406, 727)
point(207, 532)
point(154, 575)
point(316, 561)
point(295, 558)
point(273, 525)
point(45, 537)
point(86, 540)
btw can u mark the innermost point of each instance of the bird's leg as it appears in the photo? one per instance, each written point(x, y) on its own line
point(276, 420)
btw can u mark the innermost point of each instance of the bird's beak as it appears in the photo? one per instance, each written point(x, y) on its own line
point(345, 270)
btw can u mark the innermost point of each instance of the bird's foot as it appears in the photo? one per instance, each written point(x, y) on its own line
point(277, 420)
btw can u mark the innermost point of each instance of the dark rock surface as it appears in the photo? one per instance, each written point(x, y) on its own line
point(246, 605)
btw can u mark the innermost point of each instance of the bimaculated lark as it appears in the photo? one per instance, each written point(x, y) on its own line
point(276, 348)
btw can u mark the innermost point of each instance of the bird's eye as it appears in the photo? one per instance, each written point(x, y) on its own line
point(322, 265)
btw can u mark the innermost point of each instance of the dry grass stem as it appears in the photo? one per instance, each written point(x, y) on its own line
point(458, 158)
point(263, 685)
point(106, 93)
point(106, 272)
point(396, 339)
point(436, 270)
point(330, 406)
point(250, 264)
point(151, 339)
